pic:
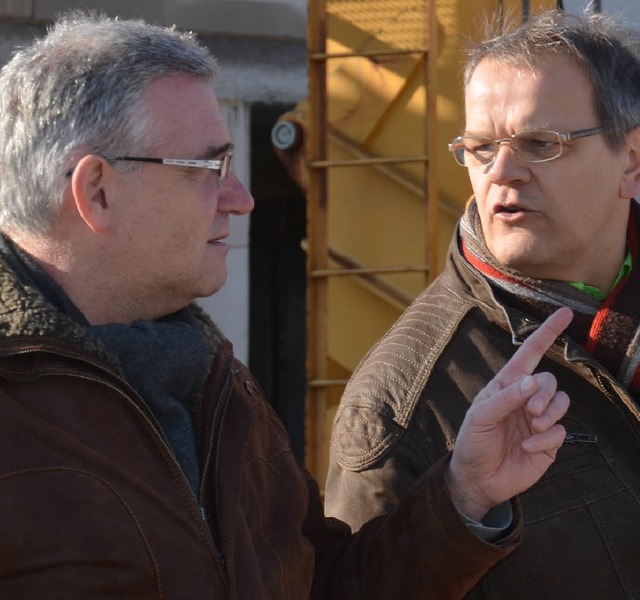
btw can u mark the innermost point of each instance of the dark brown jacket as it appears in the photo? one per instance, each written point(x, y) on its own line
point(404, 405)
point(94, 505)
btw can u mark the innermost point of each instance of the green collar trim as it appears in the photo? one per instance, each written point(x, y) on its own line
point(625, 269)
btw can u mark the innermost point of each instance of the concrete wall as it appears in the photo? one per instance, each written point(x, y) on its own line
point(260, 44)
point(264, 18)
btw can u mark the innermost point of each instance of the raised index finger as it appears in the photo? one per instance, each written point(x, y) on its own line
point(527, 357)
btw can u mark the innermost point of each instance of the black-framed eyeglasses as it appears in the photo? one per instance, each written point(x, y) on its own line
point(220, 165)
point(529, 146)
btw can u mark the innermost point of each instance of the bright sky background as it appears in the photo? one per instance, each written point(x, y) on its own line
point(628, 10)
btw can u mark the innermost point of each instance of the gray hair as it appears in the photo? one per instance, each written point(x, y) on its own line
point(608, 52)
point(77, 91)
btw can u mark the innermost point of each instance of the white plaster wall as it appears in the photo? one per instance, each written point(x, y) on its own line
point(229, 307)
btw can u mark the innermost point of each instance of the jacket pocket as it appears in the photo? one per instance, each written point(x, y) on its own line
point(582, 529)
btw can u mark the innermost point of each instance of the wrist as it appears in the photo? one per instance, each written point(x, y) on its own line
point(467, 499)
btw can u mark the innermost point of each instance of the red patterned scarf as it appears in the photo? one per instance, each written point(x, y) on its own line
point(608, 329)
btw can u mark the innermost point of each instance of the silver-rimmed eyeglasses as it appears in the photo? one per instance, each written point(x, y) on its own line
point(529, 146)
point(221, 165)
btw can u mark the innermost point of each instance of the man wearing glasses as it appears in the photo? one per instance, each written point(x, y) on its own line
point(138, 457)
point(551, 145)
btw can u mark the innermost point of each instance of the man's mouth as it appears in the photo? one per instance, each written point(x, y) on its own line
point(218, 239)
point(511, 208)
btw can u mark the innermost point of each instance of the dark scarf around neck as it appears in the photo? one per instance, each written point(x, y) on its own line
point(609, 330)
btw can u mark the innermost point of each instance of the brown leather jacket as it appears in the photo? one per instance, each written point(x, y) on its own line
point(410, 394)
point(93, 503)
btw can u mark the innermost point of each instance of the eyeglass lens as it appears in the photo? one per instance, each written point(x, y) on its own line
point(529, 146)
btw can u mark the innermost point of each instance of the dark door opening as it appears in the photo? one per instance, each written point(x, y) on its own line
point(277, 280)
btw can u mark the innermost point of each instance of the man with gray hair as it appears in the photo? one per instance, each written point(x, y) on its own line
point(138, 458)
point(551, 144)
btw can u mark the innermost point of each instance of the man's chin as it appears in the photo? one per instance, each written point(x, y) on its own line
point(518, 262)
point(215, 285)
point(518, 255)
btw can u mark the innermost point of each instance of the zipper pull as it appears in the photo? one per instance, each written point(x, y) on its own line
point(581, 438)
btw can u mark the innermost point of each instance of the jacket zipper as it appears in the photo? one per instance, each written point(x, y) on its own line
point(148, 416)
point(213, 449)
point(606, 387)
point(581, 438)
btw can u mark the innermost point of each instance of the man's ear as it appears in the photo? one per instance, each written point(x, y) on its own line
point(630, 183)
point(88, 185)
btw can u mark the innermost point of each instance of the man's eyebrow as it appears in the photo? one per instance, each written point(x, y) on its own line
point(213, 152)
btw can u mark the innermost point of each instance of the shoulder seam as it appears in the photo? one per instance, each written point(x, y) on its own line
point(389, 381)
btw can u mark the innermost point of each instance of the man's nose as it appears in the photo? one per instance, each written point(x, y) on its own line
point(505, 142)
point(506, 167)
point(233, 197)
